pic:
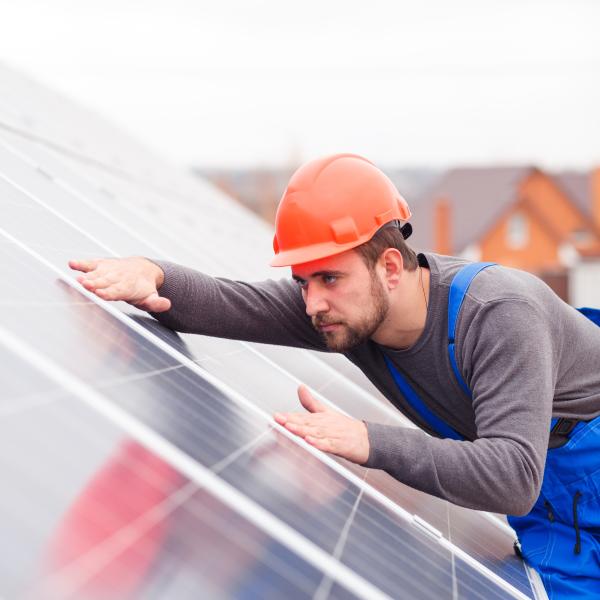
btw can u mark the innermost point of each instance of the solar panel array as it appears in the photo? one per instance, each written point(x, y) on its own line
point(139, 463)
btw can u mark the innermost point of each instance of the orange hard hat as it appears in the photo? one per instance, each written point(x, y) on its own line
point(331, 205)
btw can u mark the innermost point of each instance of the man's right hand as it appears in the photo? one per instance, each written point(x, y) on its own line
point(135, 280)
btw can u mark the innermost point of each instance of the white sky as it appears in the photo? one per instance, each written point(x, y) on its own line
point(247, 83)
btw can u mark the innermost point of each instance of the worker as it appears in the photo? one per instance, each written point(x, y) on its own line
point(502, 374)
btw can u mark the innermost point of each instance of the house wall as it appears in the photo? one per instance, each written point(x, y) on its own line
point(539, 253)
point(584, 284)
point(551, 204)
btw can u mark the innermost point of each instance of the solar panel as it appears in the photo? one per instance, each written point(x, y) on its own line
point(115, 517)
point(99, 390)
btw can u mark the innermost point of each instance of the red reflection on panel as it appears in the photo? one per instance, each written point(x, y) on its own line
point(114, 530)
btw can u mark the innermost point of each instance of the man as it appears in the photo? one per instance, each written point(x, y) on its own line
point(518, 356)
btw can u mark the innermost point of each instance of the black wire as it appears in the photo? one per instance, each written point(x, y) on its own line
point(577, 548)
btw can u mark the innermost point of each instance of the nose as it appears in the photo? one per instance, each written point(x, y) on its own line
point(315, 300)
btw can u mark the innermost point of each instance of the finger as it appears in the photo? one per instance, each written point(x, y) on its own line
point(112, 291)
point(154, 303)
point(304, 430)
point(98, 273)
point(309, 402)
point(97, 283)
point(161, 305)
point(280, 418)
point(302, 418)
point(83, 265)
point(91, 278)
point(86, 282)
point(107, 293)
point(104, 293)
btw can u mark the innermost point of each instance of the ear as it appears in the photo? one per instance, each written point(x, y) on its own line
point(393, 263)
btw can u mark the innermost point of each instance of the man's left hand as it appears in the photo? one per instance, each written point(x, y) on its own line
point(327, 429)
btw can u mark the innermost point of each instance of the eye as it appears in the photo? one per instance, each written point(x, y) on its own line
point(302, 283)
point(329, 279)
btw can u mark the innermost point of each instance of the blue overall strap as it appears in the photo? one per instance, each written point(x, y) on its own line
point(418, 405)
point(593, 314)
point(458, 289)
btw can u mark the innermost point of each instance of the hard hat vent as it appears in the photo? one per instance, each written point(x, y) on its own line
point(344, 230)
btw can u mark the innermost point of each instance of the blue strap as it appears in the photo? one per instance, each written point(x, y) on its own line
point(458, 289)
point(593, 314)
point(419, 406)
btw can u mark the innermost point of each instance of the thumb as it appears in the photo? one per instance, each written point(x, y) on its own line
point(310, 403)
point(155, 303)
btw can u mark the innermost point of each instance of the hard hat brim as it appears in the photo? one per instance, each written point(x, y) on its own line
point(298, 256)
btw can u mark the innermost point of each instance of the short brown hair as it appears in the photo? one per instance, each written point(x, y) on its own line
point(389, 236)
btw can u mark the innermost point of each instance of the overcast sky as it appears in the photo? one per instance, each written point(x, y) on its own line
point(247, 83)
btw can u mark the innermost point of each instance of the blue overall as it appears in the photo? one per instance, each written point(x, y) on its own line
point(560, 536)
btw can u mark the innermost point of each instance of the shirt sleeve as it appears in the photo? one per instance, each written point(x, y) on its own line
point(507, 358)
point(270, 312)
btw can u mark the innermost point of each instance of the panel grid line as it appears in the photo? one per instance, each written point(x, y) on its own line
point(324, 588)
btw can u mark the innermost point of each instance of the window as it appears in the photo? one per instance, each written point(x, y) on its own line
point(517, 231)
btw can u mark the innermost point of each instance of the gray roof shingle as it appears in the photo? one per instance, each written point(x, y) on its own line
point(578, 187)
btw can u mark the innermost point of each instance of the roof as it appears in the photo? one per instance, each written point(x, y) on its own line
point(478, 196)
point(577, 186)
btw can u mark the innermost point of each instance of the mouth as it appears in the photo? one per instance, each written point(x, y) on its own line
point(327, 327)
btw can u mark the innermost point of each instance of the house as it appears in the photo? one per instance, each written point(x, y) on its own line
point(523, 217)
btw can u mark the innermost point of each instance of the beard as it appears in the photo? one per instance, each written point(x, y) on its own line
point(348, 336)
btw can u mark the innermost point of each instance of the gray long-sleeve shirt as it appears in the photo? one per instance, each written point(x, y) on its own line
point(525, 355)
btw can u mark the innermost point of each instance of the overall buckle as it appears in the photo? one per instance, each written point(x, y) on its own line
point(564, 426)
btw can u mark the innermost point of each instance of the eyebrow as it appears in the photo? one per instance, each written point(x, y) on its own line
point(318, 274)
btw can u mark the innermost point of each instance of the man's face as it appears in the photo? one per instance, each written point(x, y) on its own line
point(345, 300)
